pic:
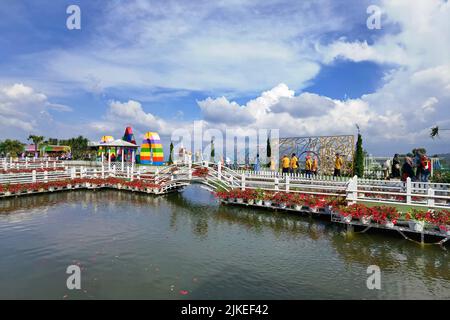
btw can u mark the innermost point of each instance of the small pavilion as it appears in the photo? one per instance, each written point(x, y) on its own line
point(119, 145)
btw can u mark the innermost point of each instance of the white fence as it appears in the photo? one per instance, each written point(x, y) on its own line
point(420, 194)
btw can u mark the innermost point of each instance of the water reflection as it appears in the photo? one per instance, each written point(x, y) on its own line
point(238, 247)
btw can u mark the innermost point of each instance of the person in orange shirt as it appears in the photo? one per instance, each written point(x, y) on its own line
point(338, 162)
point(315, 166)
point(308, 165)
point(285, 163)
point(294, 164)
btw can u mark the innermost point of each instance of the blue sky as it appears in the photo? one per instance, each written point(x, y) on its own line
point(304, 67)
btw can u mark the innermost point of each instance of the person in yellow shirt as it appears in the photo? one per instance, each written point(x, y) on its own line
point(308, 165)
point(285, 163)
point(294, 164)
point(315, 166)
point(338, 162)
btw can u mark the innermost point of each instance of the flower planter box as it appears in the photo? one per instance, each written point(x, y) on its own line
point(87, 185)
point(259, 202)
point(267, 203)
point(282, 205)
point(445, 230)
point(389, 224)
point(239, 200)
point(416, 225)
point(69, 186)
point(251, 201)
point(366, 220)
point(41, 190)
point(51, 189)
point(29, 191)
point(7, 193)
point(346, 219)
point(297, 207)
point(119, 186)
point(314, 209)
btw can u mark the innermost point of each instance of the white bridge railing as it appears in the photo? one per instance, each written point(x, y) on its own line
point(420, 194)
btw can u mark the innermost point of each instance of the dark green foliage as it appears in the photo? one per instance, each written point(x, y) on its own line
point(358, 165)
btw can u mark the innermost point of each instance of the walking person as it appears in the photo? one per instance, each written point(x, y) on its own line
point(396, 167)
point(425, 164)
point(308, 166)
point(338, 162)
point(407, 169)
point(418, 165)
point(294, 164)
point(285, 164)
point(315, 166)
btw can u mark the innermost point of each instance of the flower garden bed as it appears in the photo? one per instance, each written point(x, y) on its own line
point(437, 221)
point(68, 184)
point(30, 170)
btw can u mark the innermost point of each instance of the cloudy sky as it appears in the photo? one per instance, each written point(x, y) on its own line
point(306, 67)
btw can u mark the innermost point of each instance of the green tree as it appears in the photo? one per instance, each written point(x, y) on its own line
point(36, 141)
point(268, 151)
point(171, 153)
point(213, 152)
point(78, 146)
point(11, 147)
point(358, 164)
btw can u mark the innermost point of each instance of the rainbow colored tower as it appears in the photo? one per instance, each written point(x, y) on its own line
point(128, 136)
point(151, 150)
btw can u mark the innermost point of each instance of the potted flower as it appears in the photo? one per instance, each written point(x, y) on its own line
point(297, 201)
point(363, 213)
point(442, 220)
point(268, 199)
point(249, 196)
point(416, 219)
point(259, 197)
point(385, 215)
point(239, 196)
point(282, 199)
point(346, 213)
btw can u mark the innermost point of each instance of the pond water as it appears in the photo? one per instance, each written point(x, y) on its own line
point(187, 246)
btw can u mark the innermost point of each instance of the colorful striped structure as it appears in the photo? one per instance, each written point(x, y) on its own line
point(151, 150)
point(128, 136)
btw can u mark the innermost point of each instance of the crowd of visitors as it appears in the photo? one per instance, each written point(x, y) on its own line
point(291, 165)
point(416, 166)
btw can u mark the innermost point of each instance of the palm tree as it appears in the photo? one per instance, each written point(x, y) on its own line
point(435, 131)
point(36, 141)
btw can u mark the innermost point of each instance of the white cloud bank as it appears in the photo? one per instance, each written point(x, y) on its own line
point(25, 111)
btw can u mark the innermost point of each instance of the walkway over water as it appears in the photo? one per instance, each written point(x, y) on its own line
point(57, 176)
point(215, 176)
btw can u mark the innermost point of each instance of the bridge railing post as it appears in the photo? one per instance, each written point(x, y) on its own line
point(243, 182)
point(408, 190)
point(156, 176)
point(33, 179)
point(352, 190)
point(276, 184)
point(287, 183)
point(430, 199)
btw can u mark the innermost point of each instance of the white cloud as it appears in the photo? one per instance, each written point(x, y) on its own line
point(119, 115)
point(24, 111)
